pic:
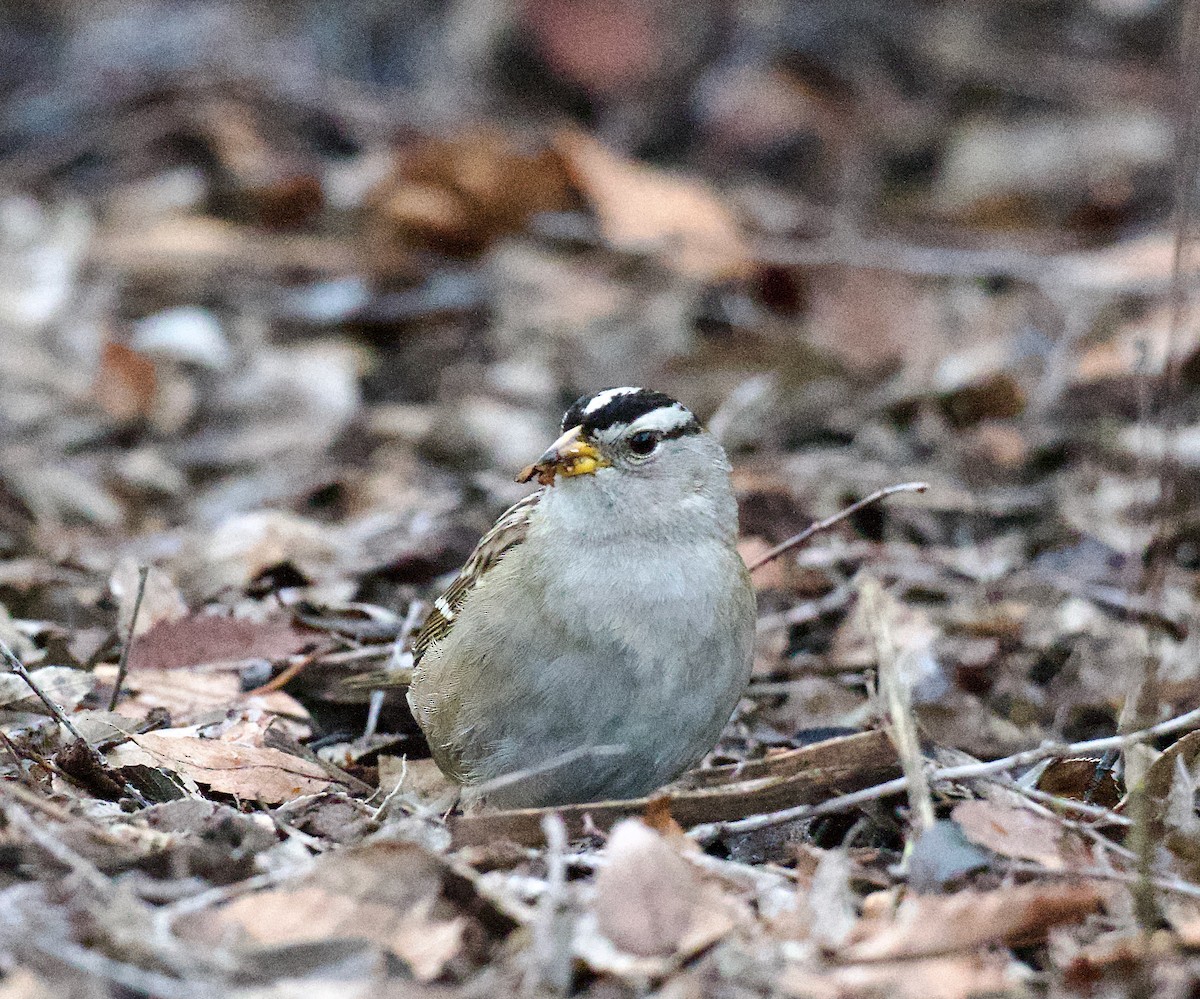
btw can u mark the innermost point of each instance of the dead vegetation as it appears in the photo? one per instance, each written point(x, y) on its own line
point(281, 319)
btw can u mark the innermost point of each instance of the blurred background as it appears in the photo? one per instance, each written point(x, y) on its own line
point(289, 292)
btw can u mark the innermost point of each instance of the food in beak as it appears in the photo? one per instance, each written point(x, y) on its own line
point(568, 456)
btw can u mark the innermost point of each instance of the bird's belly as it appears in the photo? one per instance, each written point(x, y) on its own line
point(594, 702)
point(606, 726)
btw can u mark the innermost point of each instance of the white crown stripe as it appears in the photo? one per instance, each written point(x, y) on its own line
point(664, 419)
point(602, 399)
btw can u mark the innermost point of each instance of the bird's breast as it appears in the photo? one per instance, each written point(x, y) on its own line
point(648, 598)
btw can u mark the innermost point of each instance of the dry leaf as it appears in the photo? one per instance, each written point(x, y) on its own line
point(1161, 773)
point(1016, 832)
point(831, 899)
point(459, 195)
point(926, 925)
point(1075, 778)
point(66, 687)
point(965, 976)
point(210, 638)
point(243, 546)
point(643, 210)
point(1184, 916)
point(386, 892)
point(23, 984)
point(872, 321)
point(253, 772)
point(646, 896)
point(126, 384)
point(188, 695)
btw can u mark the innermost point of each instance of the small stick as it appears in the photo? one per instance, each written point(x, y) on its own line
point(895, 690)
point(18, 667)
point(59, 715)
point(123, 663)
point(710, 831)
point(823, 525)
point(288, 674)
point(549, 965)
point(1174, 885)
point(11, 748)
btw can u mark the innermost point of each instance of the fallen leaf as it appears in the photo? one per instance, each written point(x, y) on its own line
point(198, 639)
point(253, 772)
point(1184, 916)
point(964, 976)
point(643, 210)
point(1075, 778)
point(126, 383)
point(871, 321)
point(458, 195)
point(1016, 832)
point(646, 895)
point(21, 983)
point(926, 925)
point(942, 854)
point(605, 49)
point(244, 546)
point(772, 575)
point(1161, 773)
point(998, 396)
point(388, 893)
point(1112, 956)
point(66, 687)
point(188, 695)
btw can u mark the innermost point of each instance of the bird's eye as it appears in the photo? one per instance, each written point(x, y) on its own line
point(643, 442)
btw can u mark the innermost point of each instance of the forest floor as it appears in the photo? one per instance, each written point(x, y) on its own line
point(274, 351)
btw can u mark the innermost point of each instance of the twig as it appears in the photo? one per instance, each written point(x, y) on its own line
point(809, 610)
point(895, 689)
point(40, 835)
point(11, 749)
point(123, 662)
point(1125, 877)
point(165, 916)
point(59, 715)
point(56, 712)
point(287, 675)
point(401, 658)
point(130, 977)
point(710, 831)
point(1058, 803)
point(823, 525)
point(550, 960)
point(34, 800)
point(1082, 828)
point(393, 792)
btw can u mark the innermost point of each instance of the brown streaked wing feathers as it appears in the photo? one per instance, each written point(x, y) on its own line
point(508, 531)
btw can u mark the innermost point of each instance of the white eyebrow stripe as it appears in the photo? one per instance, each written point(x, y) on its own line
point(664, 419)
point(602, 399)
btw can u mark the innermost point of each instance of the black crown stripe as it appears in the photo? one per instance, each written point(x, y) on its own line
point(624, 408)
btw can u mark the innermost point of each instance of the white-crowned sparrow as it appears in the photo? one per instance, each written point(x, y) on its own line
point(598, 638)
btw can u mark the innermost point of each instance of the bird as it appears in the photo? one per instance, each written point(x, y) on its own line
point(597, 640)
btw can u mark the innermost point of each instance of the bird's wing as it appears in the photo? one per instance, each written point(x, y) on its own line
point(508, 532)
